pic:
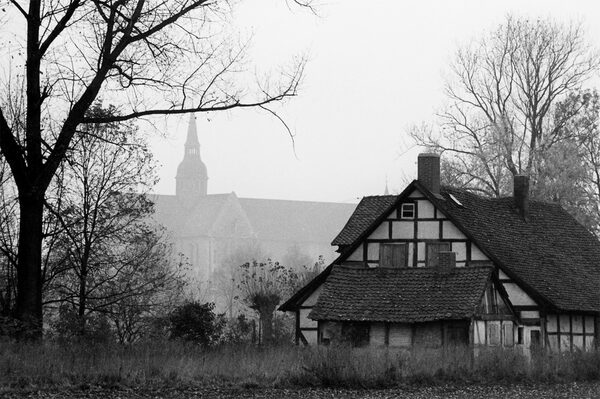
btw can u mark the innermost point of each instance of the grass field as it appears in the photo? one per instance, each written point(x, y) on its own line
point(164, 364)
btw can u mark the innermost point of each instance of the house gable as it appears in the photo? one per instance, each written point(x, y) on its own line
point(427, 225)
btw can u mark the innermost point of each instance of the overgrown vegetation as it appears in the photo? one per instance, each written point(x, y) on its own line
point(173, 363)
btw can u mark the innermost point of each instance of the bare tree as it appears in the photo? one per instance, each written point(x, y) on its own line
point(152, 56)
point(107, 253)
point(503, 95)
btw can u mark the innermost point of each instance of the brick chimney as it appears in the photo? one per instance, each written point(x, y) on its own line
point(428, 171)
point(446, 262)
point(521, 194)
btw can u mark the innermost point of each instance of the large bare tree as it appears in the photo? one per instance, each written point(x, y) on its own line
point(148, 57)
point(503, 92)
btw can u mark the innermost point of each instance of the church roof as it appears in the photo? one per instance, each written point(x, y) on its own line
point(271, 220)
point(195, 221)
point(296, 221)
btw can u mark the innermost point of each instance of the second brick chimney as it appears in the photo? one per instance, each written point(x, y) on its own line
point(428, 171)
point(446, 261)
point(521, 195)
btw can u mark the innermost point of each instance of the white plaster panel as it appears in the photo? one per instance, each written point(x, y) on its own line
point(372, 265)
point(428, 230)
point(411, 248)
point(415, 193)
point(476, 253)
point(382, 232)
point(357, 255)
point(494, 336)
point(589, 324)
point(508, 334)
point(461, 250)
point(312, 299)
point(502, 275)
point(565, 343)
point(305, 322)
point(400, 335)
point(405, 230)
point(377, 334)
point(517, 296)
point(577, 322)
point(449, 230)
point(311, 336)
point(551, 324)
point(373, 251)
point(589, 343)
point(461, 264)
point(421, 251)
point(425, 209)
point(479, 332)
point(564, 323)
point(578, 342)
point(530, 314)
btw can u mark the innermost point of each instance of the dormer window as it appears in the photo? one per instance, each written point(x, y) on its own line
point(407, 211)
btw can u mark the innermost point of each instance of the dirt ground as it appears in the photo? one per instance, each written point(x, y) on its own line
point(572, 390)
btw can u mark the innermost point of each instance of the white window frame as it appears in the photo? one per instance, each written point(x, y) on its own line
point(407, 205)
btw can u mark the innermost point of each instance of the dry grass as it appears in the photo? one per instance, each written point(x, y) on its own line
point(169, 364)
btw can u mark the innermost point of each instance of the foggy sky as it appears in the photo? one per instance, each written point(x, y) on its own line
point(375, 69)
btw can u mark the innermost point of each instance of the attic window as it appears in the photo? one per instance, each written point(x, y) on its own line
point(407, 211)
point(455, 200)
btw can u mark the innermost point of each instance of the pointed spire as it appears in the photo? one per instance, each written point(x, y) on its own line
point(191, 179)
point(386, 192)
point(192, 133)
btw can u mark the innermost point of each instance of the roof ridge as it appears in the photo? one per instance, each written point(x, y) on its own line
point(297, 201)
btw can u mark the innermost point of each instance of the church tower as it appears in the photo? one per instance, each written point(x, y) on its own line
point(192, 178)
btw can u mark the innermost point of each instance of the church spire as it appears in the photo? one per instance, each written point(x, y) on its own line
point(192, 177)
point(192, 134)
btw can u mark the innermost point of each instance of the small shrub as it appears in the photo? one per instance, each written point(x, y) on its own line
point(196, 322)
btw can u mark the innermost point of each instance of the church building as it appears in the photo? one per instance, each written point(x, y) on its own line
point(208, 228)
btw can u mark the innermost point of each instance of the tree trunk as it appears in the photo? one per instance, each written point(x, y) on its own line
point(29, 274)
point(82, 293)
point(266, 321)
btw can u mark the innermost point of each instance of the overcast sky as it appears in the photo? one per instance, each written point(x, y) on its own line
point(375, 68)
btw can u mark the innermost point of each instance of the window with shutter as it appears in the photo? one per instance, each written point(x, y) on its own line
point(393, 255)
point(433, 250)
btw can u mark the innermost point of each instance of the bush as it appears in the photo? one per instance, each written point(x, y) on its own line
point(239, 330)
point(196, 322)
point(68, 327)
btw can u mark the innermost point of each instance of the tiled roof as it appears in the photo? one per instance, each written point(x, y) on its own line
point(550, 253)
point(368, 209)
point(400, 294)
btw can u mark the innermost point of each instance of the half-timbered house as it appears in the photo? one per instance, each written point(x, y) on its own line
point(437, 265)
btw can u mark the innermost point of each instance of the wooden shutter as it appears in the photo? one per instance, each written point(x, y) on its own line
point(393, 255)
point(433, 250)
